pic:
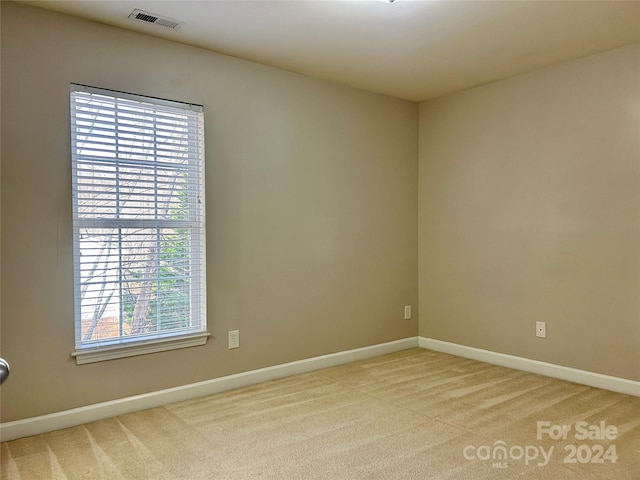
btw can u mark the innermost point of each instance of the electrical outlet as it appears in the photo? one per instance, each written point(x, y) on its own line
point(407, 312)
point(541, 329)
point(234, 339)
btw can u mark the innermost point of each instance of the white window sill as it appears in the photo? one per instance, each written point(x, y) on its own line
point(100, 354)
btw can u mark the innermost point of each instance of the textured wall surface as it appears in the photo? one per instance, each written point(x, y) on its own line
point(311, 210)
point(529, 211)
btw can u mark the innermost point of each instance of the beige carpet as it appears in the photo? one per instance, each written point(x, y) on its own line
point(415, 414)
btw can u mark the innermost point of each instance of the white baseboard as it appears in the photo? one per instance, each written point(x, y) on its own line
point(606, 382)
point(99, 411)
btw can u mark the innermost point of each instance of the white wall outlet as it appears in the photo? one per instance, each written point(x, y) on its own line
point(407, 312)
point(234, 339)
point(541, 329)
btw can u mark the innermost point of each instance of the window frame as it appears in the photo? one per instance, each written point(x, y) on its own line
point(195, 334)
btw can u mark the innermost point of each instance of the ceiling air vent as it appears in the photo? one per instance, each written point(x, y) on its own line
point(147, 17)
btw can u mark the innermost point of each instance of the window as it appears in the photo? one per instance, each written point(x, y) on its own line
point(138, 224)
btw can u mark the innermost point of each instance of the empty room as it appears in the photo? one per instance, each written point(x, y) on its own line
point(320, 240)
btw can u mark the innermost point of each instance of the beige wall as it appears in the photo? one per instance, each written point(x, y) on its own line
point(311, 220)
point(529, 209)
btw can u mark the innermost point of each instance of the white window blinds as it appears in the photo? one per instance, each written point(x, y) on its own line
point(138, 217)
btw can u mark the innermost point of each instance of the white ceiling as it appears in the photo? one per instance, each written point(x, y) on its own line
point(414, 50)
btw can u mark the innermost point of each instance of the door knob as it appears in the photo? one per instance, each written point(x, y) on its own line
point(4, 370)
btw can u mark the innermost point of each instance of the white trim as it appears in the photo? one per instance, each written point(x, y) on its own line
point(99, 354)
point(90, 413)
point(606, 382)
